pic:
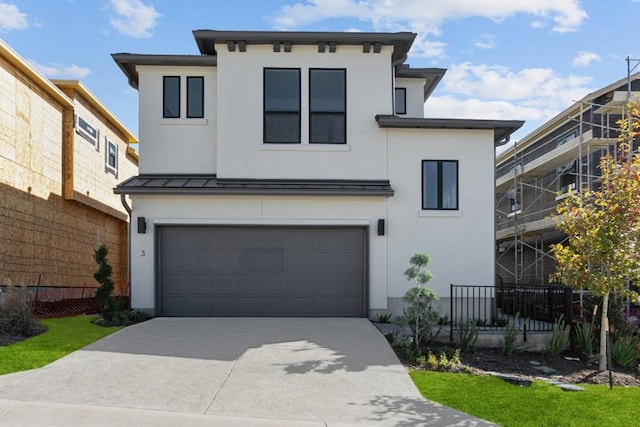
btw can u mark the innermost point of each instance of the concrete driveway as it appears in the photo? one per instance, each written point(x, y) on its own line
point(226, 371)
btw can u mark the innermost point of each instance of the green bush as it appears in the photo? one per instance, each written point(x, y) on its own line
point(107, 303)
point(383, 318)
point(444, 361)
point(559, 341)
point(468, 334)
point(16, 317)
point(509, 342)
point(624, 350)
point(584, 338)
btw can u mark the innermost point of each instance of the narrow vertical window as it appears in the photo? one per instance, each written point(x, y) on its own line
point(111, 157)
point(195, 97)
point(440, 184)
point(327, 106)
point(281, 100)
point(400, 100)
point(171, 97)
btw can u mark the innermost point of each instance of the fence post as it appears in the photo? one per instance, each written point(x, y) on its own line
point(451, 312)
point(568, 304)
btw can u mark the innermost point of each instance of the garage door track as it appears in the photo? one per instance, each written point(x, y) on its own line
point(226, 371)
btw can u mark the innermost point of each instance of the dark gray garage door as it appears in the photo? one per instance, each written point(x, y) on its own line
point(262, 271)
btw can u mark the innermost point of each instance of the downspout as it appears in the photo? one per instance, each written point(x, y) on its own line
point(123, 200)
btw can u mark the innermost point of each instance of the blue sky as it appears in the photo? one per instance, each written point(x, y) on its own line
point(506, 59)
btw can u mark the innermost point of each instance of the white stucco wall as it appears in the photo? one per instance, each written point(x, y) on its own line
point(460, 243)
point(252, 210)
point(241, 152)
point(180, 145)
point(415, 96)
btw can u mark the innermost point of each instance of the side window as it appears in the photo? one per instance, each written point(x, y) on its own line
point(515, 200)
point(281, 121)
point(439, 184)
point(567, 179)
point(171, 97)
point(111, 157)
point(87, 131)
point(400, 100)
point(327, 106)
point(195, 97)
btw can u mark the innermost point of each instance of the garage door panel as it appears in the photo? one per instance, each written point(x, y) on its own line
point(261, 271)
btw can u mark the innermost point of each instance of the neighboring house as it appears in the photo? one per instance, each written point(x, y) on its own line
point(61, 154)
point(559, 157)
point(293, 174)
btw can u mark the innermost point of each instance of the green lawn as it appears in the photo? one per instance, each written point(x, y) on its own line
point(539, 405)
point(63, 336)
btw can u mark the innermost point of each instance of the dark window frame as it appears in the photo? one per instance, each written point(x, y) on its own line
point(568, 178)
point(81, 126)
point(515, 202)
point(404, 99)
point(344, 113)
point(265, 70)
point(439, 185)
point(165, 79)
point(201, 100)
point(107, 164)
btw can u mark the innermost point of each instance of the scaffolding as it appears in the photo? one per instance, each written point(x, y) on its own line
point(546, 166)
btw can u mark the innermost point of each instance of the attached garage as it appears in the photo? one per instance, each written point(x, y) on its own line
point(261, 271)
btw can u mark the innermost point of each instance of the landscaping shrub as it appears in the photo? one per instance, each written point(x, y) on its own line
point(559, 341)
point(383, 318)
point(624, 351)
point(468, 334)
point(444, 361)
point(16, 317)
point(107, 303)
point(509, 343)
point(584, 338)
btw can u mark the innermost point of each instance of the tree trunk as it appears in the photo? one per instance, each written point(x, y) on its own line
point(604, 326)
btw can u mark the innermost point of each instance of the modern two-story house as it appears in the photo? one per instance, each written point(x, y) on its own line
point(294, 174)
point(559, 157)
point(61, 153)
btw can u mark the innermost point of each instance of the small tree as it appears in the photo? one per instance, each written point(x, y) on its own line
point(108, 306)
point(603, 228)
point(418, 314)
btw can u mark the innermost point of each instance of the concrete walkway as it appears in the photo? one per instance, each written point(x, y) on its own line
point(226, 371)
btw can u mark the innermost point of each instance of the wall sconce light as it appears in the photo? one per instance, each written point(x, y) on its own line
point(142, 225)
point(381, 227)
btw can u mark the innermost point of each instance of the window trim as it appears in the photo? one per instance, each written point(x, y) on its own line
point(264, 105)
point(344, 136)
point(439, 196)
point(404, 104)
point(164, 96)
point(94, 140)
point(201, 115)
point(108, 168)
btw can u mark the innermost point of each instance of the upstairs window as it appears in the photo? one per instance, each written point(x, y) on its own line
point(515, 200)
point(195, 97)
point(400, 100)
point(111, 157)
point(327, 106)
point(171, 97)
point(281, 122)
point(87, 131)
point(567, 177)
point(439, 184)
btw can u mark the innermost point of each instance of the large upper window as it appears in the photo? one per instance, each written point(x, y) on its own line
point(440, 184)
point(195, 97)
point(567, 179)
point(400, 100)
point(281, 105)
point(111, 157)
point(171, 97)
point(327, 106)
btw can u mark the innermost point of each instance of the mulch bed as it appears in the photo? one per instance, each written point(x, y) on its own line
point(6, 339)
point(483, 360)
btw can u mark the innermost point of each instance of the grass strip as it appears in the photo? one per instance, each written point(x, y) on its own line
point(540, 404)
point(63, 336)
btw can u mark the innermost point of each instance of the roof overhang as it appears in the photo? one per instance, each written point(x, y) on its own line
point(432, 76)
point(79, 87)
point(401, 41)
point(210, 184)
point(502, 128)
point(31, 72)
point(128, 62)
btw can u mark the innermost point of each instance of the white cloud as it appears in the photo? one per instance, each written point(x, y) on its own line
point(11, 18)
point(134, 18)
point(485, 41)
point(55, 70)
point(584, 59)
point(564, 15)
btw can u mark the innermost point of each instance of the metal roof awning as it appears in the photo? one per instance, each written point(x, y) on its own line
point(210, 184)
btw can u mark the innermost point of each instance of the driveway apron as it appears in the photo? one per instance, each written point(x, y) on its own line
point(330, 371)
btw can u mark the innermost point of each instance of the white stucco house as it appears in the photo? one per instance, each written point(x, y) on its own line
point(294, 174)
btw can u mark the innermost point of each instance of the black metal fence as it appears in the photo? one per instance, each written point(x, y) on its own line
point(490, 307)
